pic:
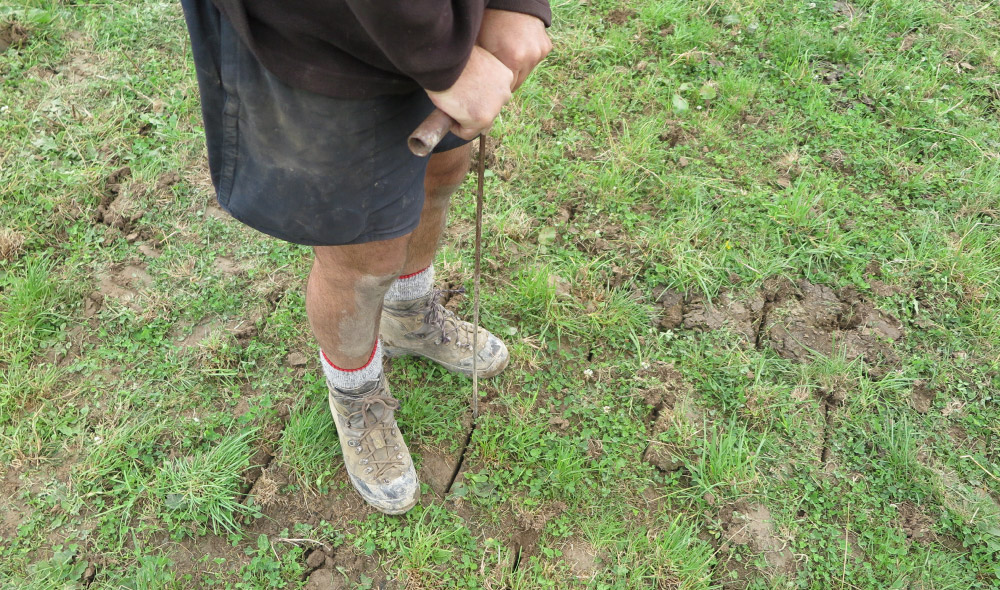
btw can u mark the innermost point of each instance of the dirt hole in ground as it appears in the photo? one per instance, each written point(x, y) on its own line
point(13, 34)
point(799, 321)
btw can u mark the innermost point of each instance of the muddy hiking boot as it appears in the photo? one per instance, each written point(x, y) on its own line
point(424, 327)
point(377, 460)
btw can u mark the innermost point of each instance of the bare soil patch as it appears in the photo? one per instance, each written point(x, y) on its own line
point(751, 525)
point(121, 283)
point(581, 557)
point(663, 395)
point(800, 321)
point(119, 207)
point(922, 397)
point(619, 16)
point(915, 523)
point(13, 35)
point(439, 466)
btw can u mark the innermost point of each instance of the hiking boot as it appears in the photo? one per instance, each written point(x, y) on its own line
point(375, 455)
point(426, 328)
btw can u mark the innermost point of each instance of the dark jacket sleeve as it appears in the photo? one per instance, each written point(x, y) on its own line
point(539, 8)
point(427, 40)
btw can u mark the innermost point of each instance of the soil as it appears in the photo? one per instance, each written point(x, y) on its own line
point(581, 557)
point(922, 397)
point(438, 466)
point(668, 387)
point(802, 320)
point(619, 16)
point(751, 525)
point(13, 35)
point(670, 308)
point(915, 523)
point(121, 283)
point(119, 207)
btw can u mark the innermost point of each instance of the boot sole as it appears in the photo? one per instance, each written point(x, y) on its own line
point(483, 373)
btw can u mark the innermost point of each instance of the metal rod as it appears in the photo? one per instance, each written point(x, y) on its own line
point(475, 280)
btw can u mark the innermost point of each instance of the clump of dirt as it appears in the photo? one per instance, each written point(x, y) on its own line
point(838, 160)
point(13, 35)
point(668, 387)
point(619, 16)
point(525, 540)
point(669, 305)
point(736, 316)
point(11, 243)
point(819, 320)
point(801, 320)
point(922, 397)
point(119, 207)
point(915, 523)
point(751, 525)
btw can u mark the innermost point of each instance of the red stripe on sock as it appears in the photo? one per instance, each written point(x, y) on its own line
point(411, 275)
point(370, 359)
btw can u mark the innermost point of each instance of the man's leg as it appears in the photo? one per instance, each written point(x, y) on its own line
point(344, 296)
point(343, 301)
point(445, 173)
point(413, 322)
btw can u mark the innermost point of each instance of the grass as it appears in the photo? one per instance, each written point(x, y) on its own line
point(159, 430)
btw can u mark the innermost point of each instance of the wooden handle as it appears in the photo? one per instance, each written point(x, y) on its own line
point(428, 134)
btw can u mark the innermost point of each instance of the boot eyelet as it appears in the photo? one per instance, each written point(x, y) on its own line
point(364, 461)
point(358, 450)
point(369, 470)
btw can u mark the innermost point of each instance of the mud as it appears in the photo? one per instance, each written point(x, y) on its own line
point(751, 525)
point(917, 525)
point(120, 205)
point(122, 284)
point(801, 321)
point(439, 466)
point(922, 397)
point(581, 557)
point(13, 35)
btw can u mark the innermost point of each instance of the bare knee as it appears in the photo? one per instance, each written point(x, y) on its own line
point(382, 259)
point(445, 173)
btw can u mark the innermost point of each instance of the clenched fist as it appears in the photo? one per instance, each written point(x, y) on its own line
point(475, 99)
point(518, 40)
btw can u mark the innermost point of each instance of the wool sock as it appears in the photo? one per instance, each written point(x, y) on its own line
point(353, 378)
point(411, 286)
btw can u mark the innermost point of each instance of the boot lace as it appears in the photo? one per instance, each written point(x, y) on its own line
point(377, 464)
point(443, 321)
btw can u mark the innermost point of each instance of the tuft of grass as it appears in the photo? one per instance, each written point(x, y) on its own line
point(203, 489)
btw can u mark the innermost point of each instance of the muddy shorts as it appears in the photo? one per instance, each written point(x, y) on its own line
point(302, 167)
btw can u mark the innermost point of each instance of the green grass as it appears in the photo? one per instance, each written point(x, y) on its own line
point(699, 146)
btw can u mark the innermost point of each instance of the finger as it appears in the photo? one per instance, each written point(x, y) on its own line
point(465, 132)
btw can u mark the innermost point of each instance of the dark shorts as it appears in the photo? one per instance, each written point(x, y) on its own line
point(302, 167)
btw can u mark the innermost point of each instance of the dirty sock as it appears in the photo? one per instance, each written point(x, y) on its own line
point(412, 286)
point(353, 378)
